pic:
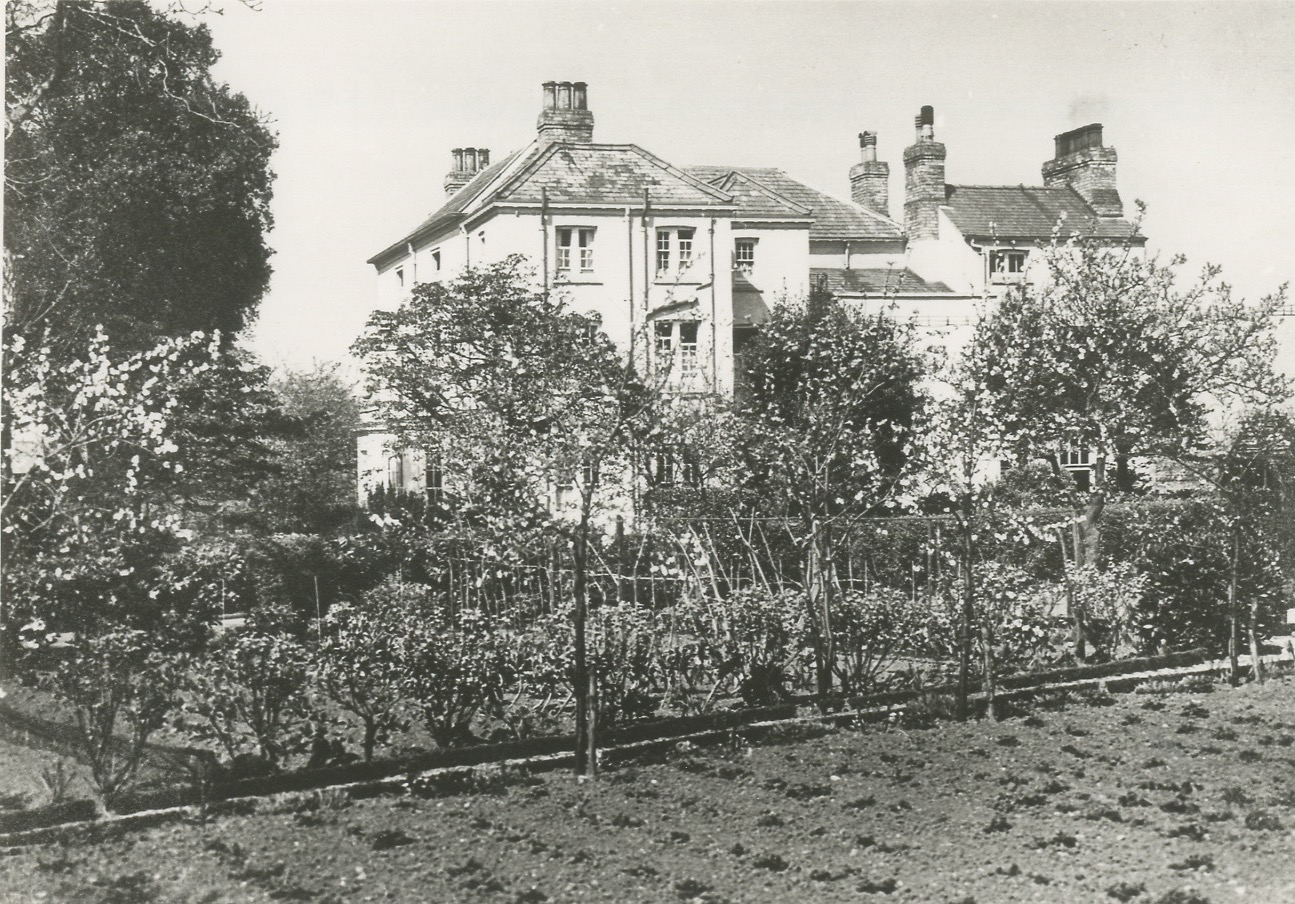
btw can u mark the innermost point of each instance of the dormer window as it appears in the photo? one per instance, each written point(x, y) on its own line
point(575, 249)
point(744, 255)
point(1007, 267)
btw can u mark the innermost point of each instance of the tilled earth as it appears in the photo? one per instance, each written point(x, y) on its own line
point(1173, 799)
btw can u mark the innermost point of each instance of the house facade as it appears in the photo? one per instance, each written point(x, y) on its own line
point(692, 258)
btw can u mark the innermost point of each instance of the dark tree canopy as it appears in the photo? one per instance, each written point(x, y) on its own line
point(830, 400)
point(137, 189)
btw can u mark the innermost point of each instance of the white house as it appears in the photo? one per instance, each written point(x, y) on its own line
point(694, 257)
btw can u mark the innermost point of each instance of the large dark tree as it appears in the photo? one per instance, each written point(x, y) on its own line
point(137, 188)
point(832, 397)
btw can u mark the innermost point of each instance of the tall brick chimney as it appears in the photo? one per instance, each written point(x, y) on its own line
point(870, 178)
point(467, 163)
point(923, 180)
point(1084, 163)
point(566, 115)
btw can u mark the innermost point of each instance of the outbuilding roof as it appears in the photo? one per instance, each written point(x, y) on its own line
point(833, 219)
point(1028, 212)
point(875, 281)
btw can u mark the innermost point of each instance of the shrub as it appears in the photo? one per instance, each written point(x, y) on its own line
point(759, 641)
point(113, 682)
point(454, 667)
point(1110, 599)
point(624, 641)
point(1183, 550)
point(870, 629)
point(248, 694)
point(357, 666)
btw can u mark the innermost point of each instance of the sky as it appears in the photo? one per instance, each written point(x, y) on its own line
point(368, 98)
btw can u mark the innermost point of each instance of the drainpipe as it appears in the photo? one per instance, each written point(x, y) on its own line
point(629, 270)
point(413, 263)
point(714, 328)
point(647, 277)
point(847, 255)
point(544, 234)
point(467, 246)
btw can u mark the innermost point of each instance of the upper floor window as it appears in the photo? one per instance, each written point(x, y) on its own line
point(396, 472)
point(674, 248)
point(575, 249)
point(1007, 266)
point(676, 345)
point(744, 255)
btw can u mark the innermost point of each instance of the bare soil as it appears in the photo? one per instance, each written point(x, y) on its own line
point(1173, 799)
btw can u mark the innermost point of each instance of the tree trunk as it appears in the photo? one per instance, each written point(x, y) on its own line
point(1256, 664)
point(968, 600)
point(820, 582)
point(1076, 604)
point(584, 678)
point(1252, 626)
point(987, 661)
point(1234, 617)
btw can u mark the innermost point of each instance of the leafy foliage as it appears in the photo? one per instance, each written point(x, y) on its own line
point(248, 694)
point(831, 401)
point(137, 187)
point(121, 692)
point(1113, 355)
point(112, 458)
point(314, 490)
point(357, 666)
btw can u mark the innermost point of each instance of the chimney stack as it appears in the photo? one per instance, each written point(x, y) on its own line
point(1086, 165)
point(566, 115)
point(923, 180)
point(870, 178)
point(467, 163)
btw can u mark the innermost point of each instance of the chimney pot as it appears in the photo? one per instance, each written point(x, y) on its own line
point(483, 157)
point(868, 146)
point(470, 159)
point(458, 159)
point(566, 117)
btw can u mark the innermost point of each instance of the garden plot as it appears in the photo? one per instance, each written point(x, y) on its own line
point(1145, 797)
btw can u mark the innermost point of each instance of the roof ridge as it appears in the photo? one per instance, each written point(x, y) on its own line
point(782, 199)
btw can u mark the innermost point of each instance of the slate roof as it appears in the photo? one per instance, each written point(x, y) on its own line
point(834, 220)
point(875, 281)
point(611, 174)
point(756, 201)
point(1027, 212)
point(450, 211)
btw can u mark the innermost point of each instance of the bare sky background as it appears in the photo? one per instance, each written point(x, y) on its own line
point(369, 96)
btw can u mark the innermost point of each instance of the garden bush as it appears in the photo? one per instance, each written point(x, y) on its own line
point(248, 695)
point(357, 666)
point(121, 690)
point(455, 665)
point(870, 630)
point(1182, 548)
